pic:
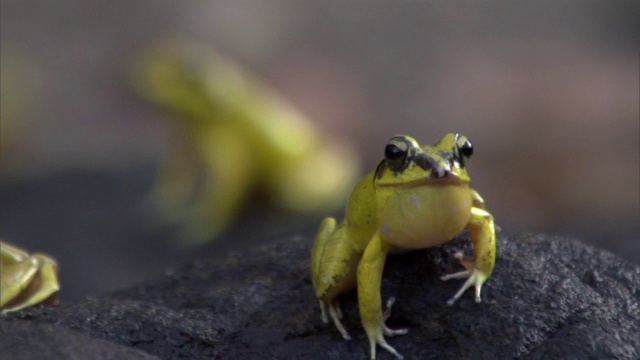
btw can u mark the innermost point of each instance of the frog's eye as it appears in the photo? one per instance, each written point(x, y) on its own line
point(395, 154)
point(464, 149)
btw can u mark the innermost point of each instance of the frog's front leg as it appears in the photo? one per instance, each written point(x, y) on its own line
point(480, 266)
point(477, 200)
point(369, 299)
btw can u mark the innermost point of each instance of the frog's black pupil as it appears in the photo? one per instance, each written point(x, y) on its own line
point(467, 149)
point(392, 152)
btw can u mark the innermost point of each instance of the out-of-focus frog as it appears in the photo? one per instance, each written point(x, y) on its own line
point(26, 280)
point(19, 89)
point(418, 197)
point(235, 135)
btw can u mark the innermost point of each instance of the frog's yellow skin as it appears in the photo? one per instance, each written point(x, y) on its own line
point(418, 197)
point(26, 280)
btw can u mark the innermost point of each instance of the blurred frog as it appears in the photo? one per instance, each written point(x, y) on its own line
point(19, 80)
point(26, 280)
point(236, 135)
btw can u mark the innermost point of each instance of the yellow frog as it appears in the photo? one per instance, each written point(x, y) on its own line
point(418, 197)
point(26, 280)
point(235, 138)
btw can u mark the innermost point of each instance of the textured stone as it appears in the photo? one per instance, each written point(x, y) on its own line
point(549, 298)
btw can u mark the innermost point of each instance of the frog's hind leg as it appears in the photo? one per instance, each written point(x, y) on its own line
point(334, 262)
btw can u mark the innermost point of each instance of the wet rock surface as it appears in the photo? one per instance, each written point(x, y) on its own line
point(549, 298)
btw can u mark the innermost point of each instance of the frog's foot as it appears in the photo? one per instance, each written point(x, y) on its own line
point(378, 339)
point(474, 276)
point(385, 316)
point(336, 314)
point(376, 336)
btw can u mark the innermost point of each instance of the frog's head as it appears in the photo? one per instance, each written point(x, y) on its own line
point(406, 163)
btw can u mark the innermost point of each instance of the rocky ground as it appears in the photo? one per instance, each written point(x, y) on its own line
point(549, 298)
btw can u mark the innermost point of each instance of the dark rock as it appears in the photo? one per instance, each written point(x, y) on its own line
point(549, 298)
point(37, 340)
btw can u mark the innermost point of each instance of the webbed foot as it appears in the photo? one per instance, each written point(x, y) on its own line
point(376, 336)
point(475, 277)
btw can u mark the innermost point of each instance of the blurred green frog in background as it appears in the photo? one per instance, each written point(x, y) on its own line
point(19, 82)
point(235, 136)
point(26, 280)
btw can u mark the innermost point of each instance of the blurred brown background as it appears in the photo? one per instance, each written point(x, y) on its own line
point(547, 91)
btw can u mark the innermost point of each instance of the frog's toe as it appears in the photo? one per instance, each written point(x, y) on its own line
point(475, 278)
point(387, 312)
point(389, 348)
point(379, 340)
point(336, 314)
point(385, 316)
point(392, 332)
point(338, 310)
point(323, 313)
point(459, 275)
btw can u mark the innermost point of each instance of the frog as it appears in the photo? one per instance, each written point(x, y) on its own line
point(26, 279)
point(234, 140)
point(418, 197)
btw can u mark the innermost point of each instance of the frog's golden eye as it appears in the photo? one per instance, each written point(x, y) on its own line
point(464, 149)
point(395, 154)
